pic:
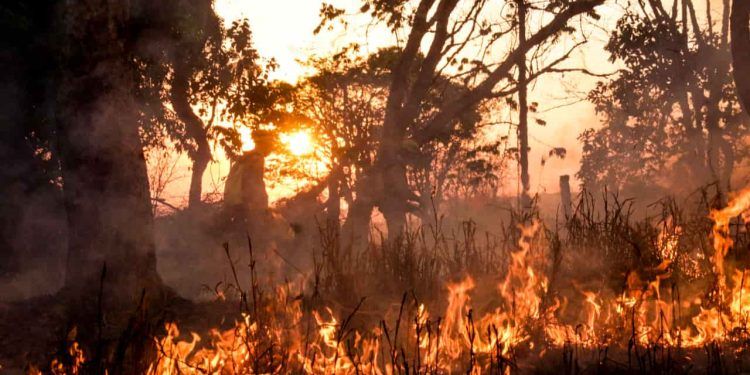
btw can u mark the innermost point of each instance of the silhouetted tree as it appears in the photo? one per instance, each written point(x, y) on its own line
point(447, 27)
point(204, 74)
point(673, 106)
point(104, 172)
point(740, 21)
point(30, 174)
point(344, 103)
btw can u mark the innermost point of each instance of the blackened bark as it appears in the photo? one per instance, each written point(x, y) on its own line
point(28, 74)
point(393, 203)
point(740, 28)
point(18, 162)
point(104, 172)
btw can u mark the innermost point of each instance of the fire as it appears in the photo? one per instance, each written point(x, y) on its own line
point(282, 337)
point(721, 239)
point(668, 240)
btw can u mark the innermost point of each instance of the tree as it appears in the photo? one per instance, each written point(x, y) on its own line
point(197, 63)
point(29, 177)
point(343, 102)
point(741, 49)
point(216, 75)
point(523, 109)
point(673, 106)
point(104, 174)
point(447, 27)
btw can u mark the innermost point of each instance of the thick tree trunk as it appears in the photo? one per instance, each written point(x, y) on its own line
point(26, 82)
point(391, 167)
point(194, 127)
point(740, 28)
point(402, 108)
point(393, 202)
point(106, 192)
point(355, 231)
point(104, 172)
point(17, 159)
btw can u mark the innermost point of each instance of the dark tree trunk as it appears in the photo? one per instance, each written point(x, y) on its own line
point(333, 205)
point(18, 158)
point(355, 231)
point(402, 109)
point(565, 197)
point(523, 110)
point(104, 172)
point(393, 202)
point(27, 76)
point(740, 28)
point(390, 165)
point(194, 127)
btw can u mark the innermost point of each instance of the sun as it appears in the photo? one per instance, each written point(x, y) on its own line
point(246, 139)
point(299, 143)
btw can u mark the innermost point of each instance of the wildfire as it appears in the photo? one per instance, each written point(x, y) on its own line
point(523, 315)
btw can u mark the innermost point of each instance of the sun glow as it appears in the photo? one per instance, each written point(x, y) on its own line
point(299, 143)
point(246, 139)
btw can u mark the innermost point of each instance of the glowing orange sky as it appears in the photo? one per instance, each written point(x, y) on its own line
point(283, 30)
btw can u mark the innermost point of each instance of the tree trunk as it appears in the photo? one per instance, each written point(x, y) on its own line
point(333, 205)
point(565, 197)
point(18, 160)
point(523, 110)
point(393, 188)
point(355, 231)
point(393, 202)
point(194, 127)
point(27, 81)
point(104, 171)
point(714, 138)
point(740, 26)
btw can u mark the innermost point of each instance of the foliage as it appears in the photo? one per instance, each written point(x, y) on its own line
point(672, 106)
point(345, 101)
point(229, 87)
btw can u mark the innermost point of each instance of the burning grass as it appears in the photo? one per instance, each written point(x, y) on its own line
point(604, 292)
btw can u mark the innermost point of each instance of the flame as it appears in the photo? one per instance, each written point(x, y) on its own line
point(668, 240)
point(282, 338)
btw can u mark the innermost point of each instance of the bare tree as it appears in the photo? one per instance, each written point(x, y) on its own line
point(448, 28)
point(161, 165)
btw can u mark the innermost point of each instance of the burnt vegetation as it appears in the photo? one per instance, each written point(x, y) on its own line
point(377, 214)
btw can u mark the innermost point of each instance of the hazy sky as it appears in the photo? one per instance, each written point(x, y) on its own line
point(283, 30)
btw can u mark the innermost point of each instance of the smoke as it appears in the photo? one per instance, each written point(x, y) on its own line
point(32, 219)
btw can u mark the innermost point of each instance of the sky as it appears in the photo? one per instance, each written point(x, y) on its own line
point(283, 30)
